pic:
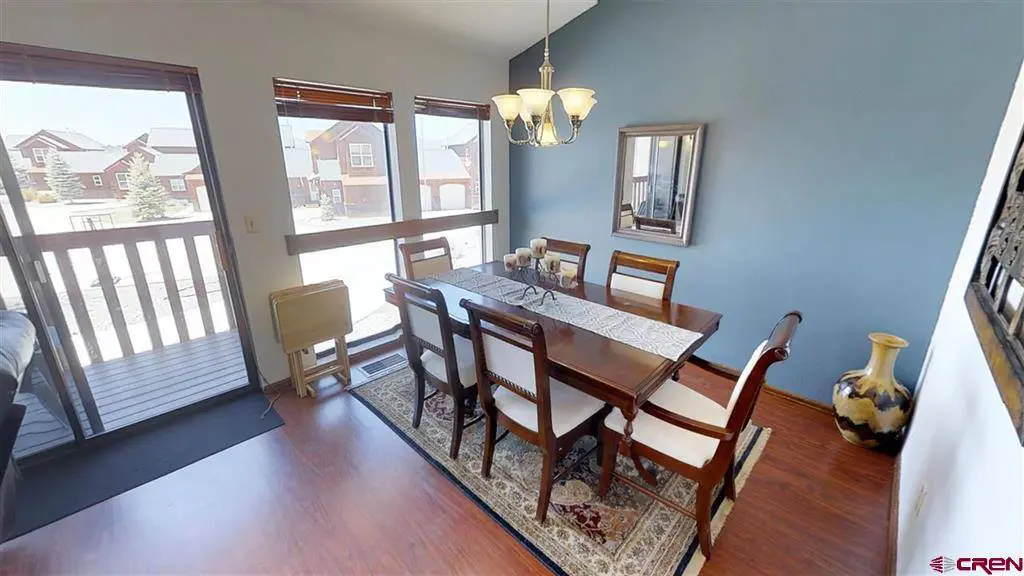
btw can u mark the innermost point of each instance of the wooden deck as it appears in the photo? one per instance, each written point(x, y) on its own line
point(131, 389)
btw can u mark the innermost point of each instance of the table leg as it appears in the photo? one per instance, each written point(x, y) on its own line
point(626, 446)
point(341, 351)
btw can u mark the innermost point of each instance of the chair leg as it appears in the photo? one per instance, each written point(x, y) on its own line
point(457, 422)
point(729, 484)
point(547, 481)
point(609, 449)
point(704, 518)
point(421, 390)
point(490, 431)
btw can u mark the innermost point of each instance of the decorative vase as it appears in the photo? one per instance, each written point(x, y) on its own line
point(870, 406)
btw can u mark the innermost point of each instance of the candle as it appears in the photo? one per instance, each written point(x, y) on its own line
point(510, 261)
point(552, 262)
point(538, 247)
point(567, 278)
point(523, 256)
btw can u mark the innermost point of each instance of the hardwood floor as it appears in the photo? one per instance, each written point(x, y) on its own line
point(335, 491)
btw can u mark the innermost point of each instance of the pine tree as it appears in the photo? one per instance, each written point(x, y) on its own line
point(326, 206)
point(24, 182)
point(61, 180)
point(146, 194)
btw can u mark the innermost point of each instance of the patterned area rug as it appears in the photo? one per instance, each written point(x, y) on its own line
point(627, 533)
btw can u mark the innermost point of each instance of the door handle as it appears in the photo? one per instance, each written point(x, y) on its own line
point(40, 270)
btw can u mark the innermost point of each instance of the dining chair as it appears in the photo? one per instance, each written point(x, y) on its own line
point(419, 265)
point(435, 354)
point(627, 216)
point(691, 434)
point(656, 225)
point(572, 249)
point(631, 282)
point(511, 354)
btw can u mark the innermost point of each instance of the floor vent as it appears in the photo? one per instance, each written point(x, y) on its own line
point(385, 364)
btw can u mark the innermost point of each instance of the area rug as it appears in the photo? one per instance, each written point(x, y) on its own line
point(627, 533)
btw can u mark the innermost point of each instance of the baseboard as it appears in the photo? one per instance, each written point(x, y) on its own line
point(802, 400)
point(894, 520)
point(360, 355)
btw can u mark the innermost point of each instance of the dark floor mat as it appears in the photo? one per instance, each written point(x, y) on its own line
point(53, 489)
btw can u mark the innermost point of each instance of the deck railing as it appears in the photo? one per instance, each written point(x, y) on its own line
point(60, 245)
point(639, 191)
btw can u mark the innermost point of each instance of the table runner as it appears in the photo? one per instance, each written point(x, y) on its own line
point(648, 335)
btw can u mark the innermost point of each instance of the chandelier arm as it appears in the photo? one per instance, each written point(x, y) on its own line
point(508, 128)
point(575, 131)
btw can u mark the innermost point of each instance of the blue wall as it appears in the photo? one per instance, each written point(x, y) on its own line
point(845, 147)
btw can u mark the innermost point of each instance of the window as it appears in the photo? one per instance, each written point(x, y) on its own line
point(326, 131)
point(448, 142)
point(97, 180)
point(995, 295)
point(360, 155)
point(122, 180)
point(40, 154)
point(177, 185)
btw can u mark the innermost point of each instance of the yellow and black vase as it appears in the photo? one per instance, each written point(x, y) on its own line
point(870, 406)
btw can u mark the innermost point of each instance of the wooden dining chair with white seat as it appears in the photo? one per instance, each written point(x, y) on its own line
point(511, 354)
point(436, 355)
point(691, 434)
point(576, 251)
point(623, 275)
point(426, 258)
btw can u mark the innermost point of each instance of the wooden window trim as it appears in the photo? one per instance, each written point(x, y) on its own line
point(1000, 263)
point(314, 242)
point(452, 108)
point(183, 187)
point(122, 183)
point(97, 180)
point(362, 151)
point(296, 98)
point(24, 63)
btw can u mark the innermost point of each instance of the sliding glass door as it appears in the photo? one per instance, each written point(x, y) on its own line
point(109, 208)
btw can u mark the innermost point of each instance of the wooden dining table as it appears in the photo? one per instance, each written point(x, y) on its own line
point(621, 375)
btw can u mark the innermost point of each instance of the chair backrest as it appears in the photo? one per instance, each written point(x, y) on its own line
point(660, 289)
point(627, 216)
point(425, 322)
point(751, 380)
point(418, 265)
point(573, 249)
point(656, 224)
point(511, 352)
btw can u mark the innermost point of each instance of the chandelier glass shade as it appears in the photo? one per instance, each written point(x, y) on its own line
point(534, 106)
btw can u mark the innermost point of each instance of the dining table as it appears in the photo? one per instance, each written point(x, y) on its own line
point(622, 375)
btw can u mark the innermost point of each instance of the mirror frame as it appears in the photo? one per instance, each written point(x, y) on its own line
point(682, 237)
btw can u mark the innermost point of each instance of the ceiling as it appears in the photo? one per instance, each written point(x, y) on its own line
point(500, 27)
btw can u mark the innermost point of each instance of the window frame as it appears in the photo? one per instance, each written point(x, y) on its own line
point(39, 154)
point(97, 180)
point(362, 155)
point(122, 180)
point(184, 187)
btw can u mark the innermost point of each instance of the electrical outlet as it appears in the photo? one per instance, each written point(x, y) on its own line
point(922, 494)
point(250, 225)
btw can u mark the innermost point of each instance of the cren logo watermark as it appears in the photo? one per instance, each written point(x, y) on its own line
point(942, 564)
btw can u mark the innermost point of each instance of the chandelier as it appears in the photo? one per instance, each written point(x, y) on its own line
point(534, 105)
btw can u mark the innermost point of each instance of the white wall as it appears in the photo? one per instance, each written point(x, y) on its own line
point(962, 449)
point(239, 48)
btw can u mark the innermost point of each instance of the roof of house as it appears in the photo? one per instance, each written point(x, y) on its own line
point(465, 134)
point(173, 164)
point(298, 163)
point(171, 137)
point(91, 161)
point(77, 139)
point(441, 165)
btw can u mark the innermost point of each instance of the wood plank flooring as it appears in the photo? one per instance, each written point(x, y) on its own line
point(335, 491)
point(132, 389)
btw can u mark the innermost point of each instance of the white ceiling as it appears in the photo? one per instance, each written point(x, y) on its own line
point(499, 27)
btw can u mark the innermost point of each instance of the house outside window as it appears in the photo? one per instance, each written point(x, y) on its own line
point(177, 185)
point(122, 180)
point(97, 180)
point(360, 155)
point(336, 195)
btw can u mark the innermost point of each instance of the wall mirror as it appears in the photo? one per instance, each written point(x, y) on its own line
point(656, 182)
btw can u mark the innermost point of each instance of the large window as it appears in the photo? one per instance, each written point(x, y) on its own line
point(448, 143)
point(335, 143)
